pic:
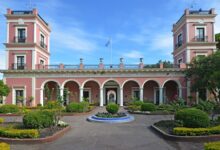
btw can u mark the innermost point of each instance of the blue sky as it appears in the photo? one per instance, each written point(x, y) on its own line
point(80, 28)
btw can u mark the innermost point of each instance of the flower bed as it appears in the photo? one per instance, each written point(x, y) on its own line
point(109, 115)
point(4, 146)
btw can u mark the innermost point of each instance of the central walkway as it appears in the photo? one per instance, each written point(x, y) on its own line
point(135, 135)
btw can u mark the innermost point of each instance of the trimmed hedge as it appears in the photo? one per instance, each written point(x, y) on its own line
point(182, 131)
point(136, 103)
point(193, 118)
point(148, 107)
point(77, 107)
point(112, 108)
point(4, 146)
point(9, 109)
point(212, 146)
point(19, 133)
point(39, 119)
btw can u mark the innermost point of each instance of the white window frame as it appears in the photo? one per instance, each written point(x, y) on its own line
point(181, 58)
point(178, 36)
point(135, 89)
point(15, 58)
point(201, 54)
point(205, 31)
point(41, 59)
point(16, 32)
point(41, 33)
point(14, 94)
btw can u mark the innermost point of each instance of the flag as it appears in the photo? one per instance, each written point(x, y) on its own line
point(108, 43)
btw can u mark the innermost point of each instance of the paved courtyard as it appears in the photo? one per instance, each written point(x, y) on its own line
point(97, 136)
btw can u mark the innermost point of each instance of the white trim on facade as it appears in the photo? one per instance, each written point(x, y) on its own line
point(15, 58)
point(33, 59)
point(14, 94)
point(16, 31)
point(134, 80)
point(91, 79)
point(188, 56)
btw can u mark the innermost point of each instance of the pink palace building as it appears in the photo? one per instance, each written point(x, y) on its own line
point(30, 75)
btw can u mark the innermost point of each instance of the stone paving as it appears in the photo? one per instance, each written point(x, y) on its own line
point(135, 135)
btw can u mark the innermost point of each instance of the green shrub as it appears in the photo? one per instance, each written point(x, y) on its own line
point(196, 131)
point(19, 133)
point(39, 119)
point(4, 146)
point(133, 108)
point(165, 107)
point(136, 103)
point(77, 107)
point(2, 120)
point(112, 108)
point(53, 105)
point(206, 106)
point(212, 146)
point(9, 109)
point(148, 107)
point(193, 118)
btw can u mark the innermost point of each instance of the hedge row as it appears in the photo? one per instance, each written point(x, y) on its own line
point(19, 133)
point(9, 109)
point(182, 131)
point(4, 146)
point(212, 146)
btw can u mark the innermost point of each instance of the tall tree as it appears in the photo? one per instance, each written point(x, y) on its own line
point(217, 39)
point(4, 90)
point(204, 72)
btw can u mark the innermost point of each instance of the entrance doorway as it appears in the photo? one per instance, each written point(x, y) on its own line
point(111, 95)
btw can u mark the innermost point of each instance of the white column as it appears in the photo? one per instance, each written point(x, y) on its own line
point(81, 94)
point(142, 94)
point(180, 92)
point(42, 97)
point(121, 96)
point(61, 93)
point(161, 96)
point(101, 97)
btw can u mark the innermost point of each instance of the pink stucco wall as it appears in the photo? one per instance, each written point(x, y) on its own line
point(127, 90)
point(149, 88)
point(73, 89)
point(27, 53)
point(30, 31)
point(94, 87)
point(180, 55)
point(18, 83)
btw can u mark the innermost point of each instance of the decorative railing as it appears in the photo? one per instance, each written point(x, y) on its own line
point(71, 67)
point(18, 39)
point(52, 67)
point(200, 39)
point(131, 66)
point(111, 67)
point(18, 66)
point(43, 45)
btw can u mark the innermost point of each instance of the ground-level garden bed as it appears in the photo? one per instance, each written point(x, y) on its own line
point(189, 124)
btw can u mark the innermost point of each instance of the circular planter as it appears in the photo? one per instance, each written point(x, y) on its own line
point(127, 118)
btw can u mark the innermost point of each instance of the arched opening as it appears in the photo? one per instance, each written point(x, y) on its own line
point(70, 92)
point(91, 92)
point(51, 91)
point(131, 91)
point(171, 91)
point(111, 92)
point(151, 92)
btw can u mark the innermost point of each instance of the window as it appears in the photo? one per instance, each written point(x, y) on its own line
point(42, 62)
point(180, 40)
point(21, 35)
point(20, 62)
point(200, 34)
point(19, 96)
point(180, 61)
point(42, 41)
point(86, 95)
point(136, 93)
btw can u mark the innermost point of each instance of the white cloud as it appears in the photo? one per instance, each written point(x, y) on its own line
point(133, 54)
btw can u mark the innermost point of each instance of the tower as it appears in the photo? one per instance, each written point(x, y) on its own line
point(193, 35)
point(28, 40)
